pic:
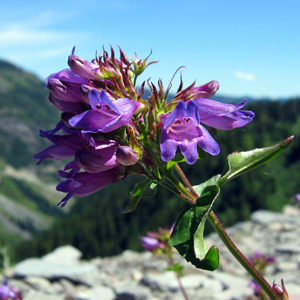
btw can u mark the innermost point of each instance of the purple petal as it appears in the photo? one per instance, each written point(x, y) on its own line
point(64, 91)
point(65, 106)
point(207, 142)
point(106, 115)
point(223, 116)
point(205, 91)
point(97, 100)
point(149, 243)
point(297, 198)
point(178, 112)
point(168, 147)
point(67, 75)
point(189, 151)
point(84, 183)
point(84, 68)
point(97, 160)
point(126, 156)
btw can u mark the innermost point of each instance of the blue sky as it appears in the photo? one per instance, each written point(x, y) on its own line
point(251, 47)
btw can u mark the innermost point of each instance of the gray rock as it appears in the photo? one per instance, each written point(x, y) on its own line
point(67, 255)
point(166, 281)
point(96, 293)
point(265, 217)
point(38, 295)
point(289, 248)
point(132, 291)
point(84, 273)
point(41, 284)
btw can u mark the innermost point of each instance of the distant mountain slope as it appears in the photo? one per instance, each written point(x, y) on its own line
point(24, 109)
point(27, 204)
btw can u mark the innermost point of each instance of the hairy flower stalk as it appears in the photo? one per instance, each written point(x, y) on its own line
point(108, 130)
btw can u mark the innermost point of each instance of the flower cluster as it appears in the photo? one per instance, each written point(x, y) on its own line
point(158, 242)
point(260, 261)
point(297, 199)
point(8, 292)
point(109, 131)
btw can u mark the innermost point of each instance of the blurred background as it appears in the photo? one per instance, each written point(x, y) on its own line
point(251, 47)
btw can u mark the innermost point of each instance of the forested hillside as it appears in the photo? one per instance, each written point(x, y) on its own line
point(93, 224)
point(27, 204)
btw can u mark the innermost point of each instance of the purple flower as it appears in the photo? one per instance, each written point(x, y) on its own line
point(84, 68)
point(255, 287)
point(67, 76)
point(297, 198)
point(65, 146)
point(126, 156)
point(65, 106)
point(85, 183)
point(206, 90)
point(105, 115)
point(94, 161)
point(223, 116)
point(9, 292)
point(181, 128)
point(150, 243)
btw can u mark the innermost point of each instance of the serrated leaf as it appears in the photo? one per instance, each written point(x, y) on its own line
point(187, 235)
point(242, 162)
point(136, 194)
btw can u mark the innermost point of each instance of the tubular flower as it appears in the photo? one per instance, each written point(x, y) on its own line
point(65, 146)
point(150, 244)
point(84, 68)
point(158, 241)
point(182, 129)
point(223, 116)
point(86, 183)
point(206, 90)
point(104, 115)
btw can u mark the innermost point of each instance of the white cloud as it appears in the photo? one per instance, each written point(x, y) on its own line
point(245, 76)
point(24, 37)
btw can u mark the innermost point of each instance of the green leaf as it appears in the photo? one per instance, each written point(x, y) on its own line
point(176, 160)
point(136, 194)
point(187, 235)
point(212, 181)
point(180, 158)
point(242, 162)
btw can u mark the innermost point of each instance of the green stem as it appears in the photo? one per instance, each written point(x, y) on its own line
point(186, 181)
point(180, 189)
point(215, 222)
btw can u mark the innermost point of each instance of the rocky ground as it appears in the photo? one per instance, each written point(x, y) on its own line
point(62, 275)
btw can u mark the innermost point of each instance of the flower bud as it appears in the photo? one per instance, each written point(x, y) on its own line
point(280, 290)
point(65, 92)
point(84, 68)
point(97, 160)
point(66, 106)
point(205, 91)
point(126, 156)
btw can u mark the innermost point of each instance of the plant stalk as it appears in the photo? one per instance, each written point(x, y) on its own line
point(215, 222)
